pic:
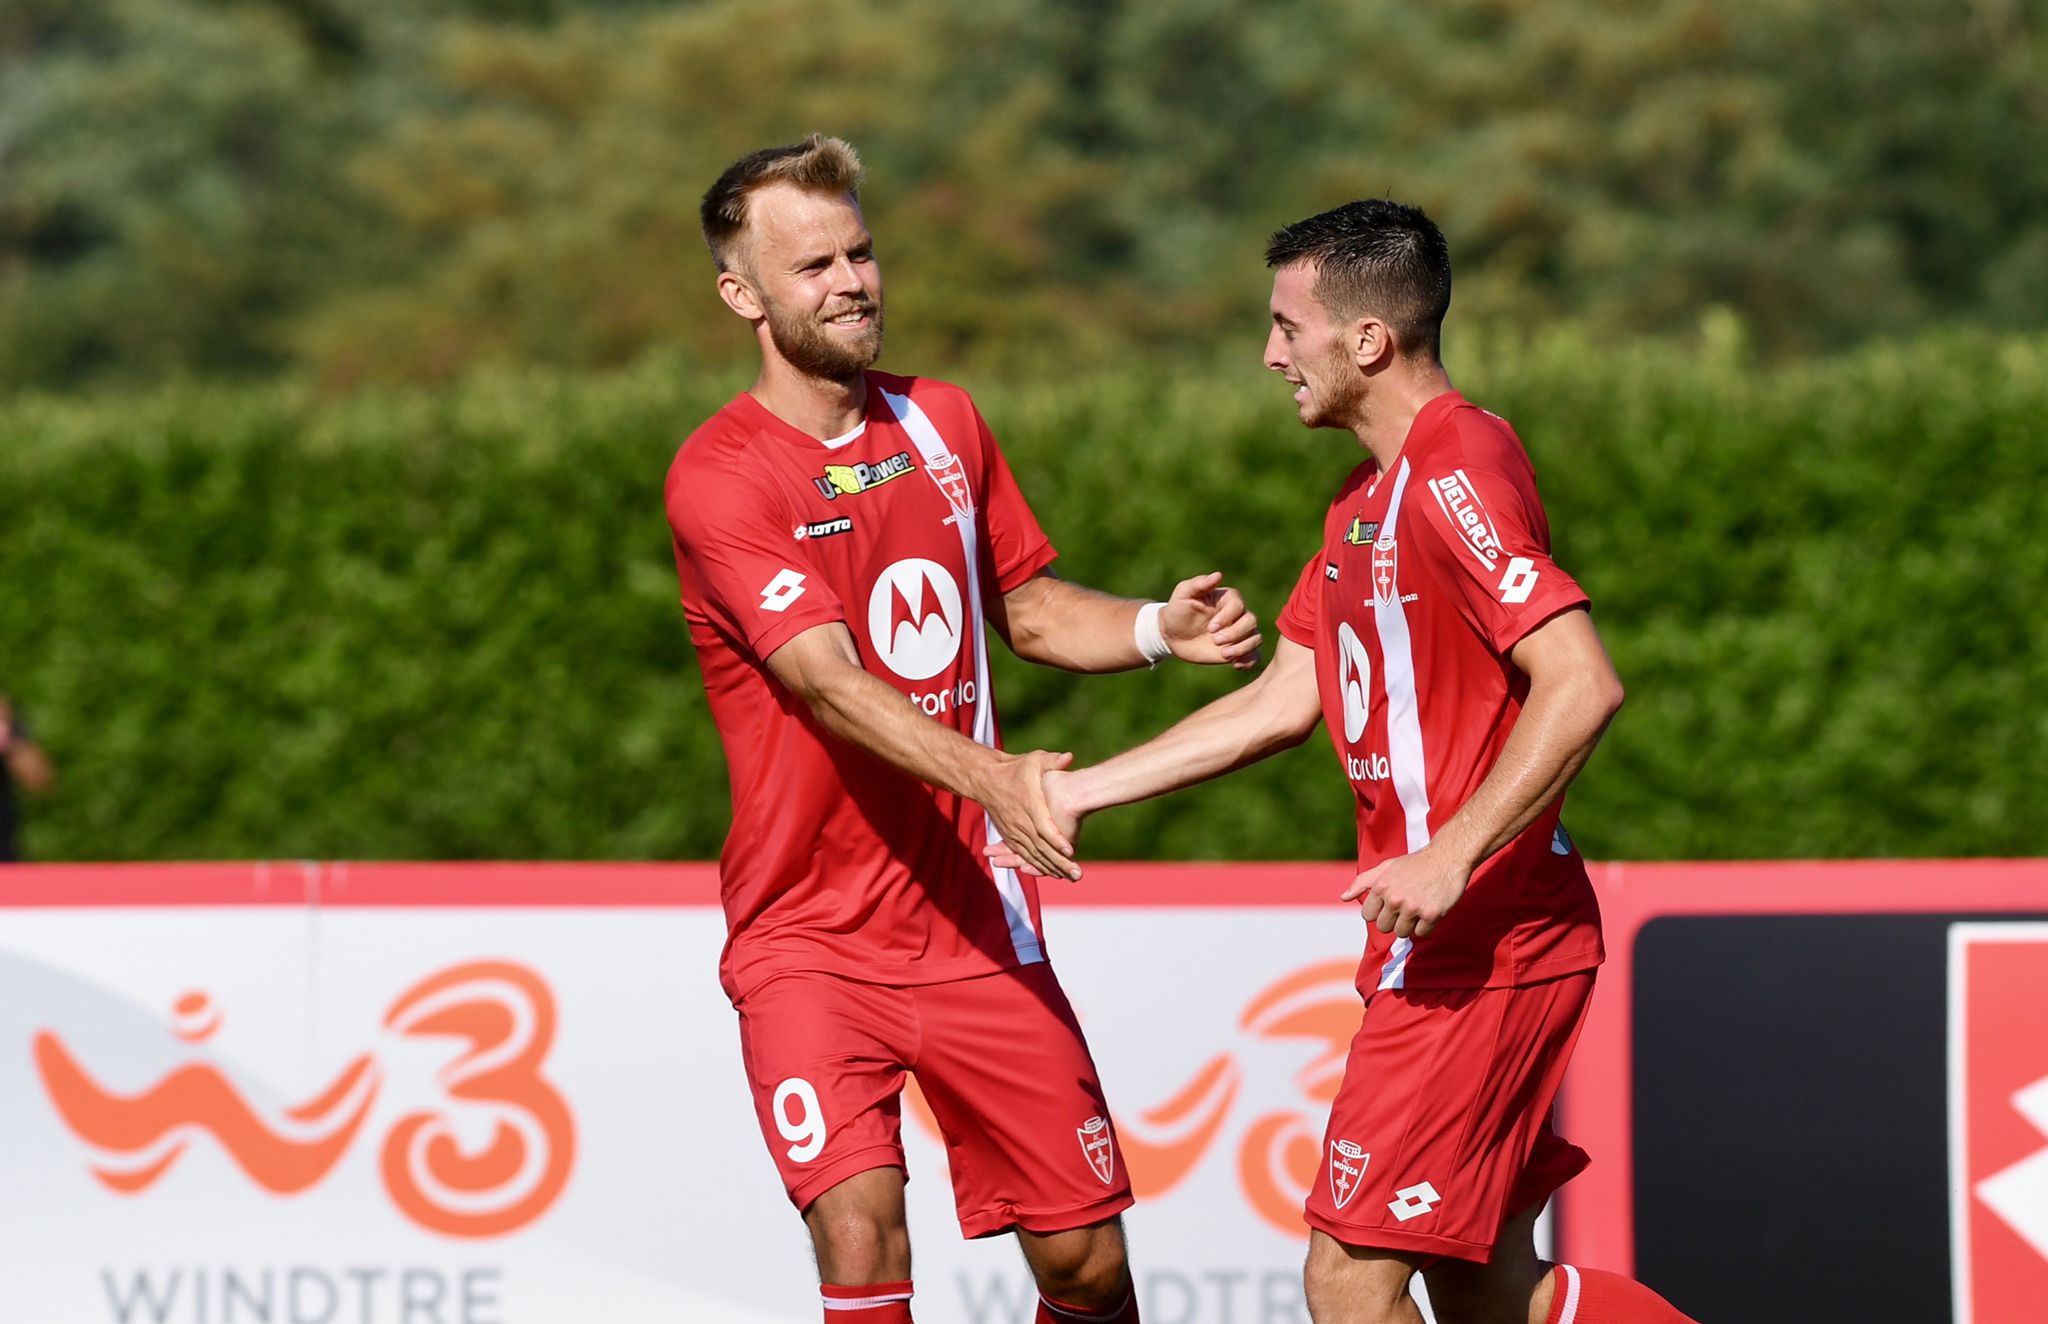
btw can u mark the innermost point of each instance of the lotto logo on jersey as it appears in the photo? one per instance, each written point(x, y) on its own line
point(915, 619)
point(1998, 1120)
point(824, 528)
point(1460, 503)
point(1347, 1170)
point(852, 479)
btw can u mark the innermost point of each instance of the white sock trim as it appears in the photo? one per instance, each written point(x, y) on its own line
point(1571, 1295)
point(862, 1302)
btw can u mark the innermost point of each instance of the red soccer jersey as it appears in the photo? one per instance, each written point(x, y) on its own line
point(836, 861)
point(1427, 579)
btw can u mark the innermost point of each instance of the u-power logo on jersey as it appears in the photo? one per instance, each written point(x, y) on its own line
point(503, 1012)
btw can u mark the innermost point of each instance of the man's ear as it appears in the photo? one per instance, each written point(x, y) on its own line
point(1373, 344)
point(740, 295)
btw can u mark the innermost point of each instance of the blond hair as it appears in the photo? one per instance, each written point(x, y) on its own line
point(819, 163)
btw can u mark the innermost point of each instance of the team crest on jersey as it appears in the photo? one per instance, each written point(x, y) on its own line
point(1347, 1170)
point(1386, 561)
point(824, 528)
point(853, 479)
point(1361, 532)
point(951, 476)
point(1097, 1148)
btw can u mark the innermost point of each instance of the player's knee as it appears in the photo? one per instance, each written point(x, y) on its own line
point(1085, 1268)
point(1344, 1286)
point(857, 1245)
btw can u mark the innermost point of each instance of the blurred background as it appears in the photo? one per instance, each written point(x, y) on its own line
point(344, 345)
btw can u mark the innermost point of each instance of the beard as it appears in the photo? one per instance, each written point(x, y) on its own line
point(812, 349)
point(1336, 395)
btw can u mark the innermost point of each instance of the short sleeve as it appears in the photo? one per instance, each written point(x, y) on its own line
point(1298, 619)
point(1498, 543)
point(1018, 547)
point(736, 539)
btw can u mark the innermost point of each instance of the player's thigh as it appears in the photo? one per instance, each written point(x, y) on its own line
point(825, 1058)
point(1010, 1082)
point(1346, 1282)
point(1444, 1099)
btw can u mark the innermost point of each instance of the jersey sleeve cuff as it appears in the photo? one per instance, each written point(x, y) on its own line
point(1534, 617)
point(775, 636)
point(1026, 566)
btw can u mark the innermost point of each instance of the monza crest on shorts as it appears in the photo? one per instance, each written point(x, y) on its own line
point(1347, 1170)
point(1097, 1148)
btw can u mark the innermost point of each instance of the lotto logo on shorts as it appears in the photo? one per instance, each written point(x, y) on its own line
point(1347, 1170)
point(1096, 1147)
point(1413, 1201)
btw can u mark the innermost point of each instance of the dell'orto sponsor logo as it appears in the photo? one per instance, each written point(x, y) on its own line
point(1097, 1148)
point(1461, 505)
point(496, 1172)
point(852, 479)
point(824, 528)
point(1347, 1170)
point(915, 618)
point(1354, 680)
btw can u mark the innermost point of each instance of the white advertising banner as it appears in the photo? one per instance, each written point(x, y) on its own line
point(467, 1095)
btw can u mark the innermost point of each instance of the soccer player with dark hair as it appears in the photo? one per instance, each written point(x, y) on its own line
point(842, 536)
point(1464, 686)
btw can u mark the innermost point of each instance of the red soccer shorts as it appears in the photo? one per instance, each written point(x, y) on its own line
point(1440, 1132)
point(1001, 1061)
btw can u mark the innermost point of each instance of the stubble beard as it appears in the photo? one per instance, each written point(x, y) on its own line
point(806, 344)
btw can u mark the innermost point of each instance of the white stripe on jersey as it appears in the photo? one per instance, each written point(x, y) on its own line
point(1023, 938)
point(1570, 1312)
point(1404, 721)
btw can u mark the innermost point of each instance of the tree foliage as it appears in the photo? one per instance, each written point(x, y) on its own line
point(405, 188)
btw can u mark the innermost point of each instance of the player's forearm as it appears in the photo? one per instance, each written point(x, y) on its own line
point(1222, 737)
point(1076, 628)
point(1559, 726)
point(874, 716)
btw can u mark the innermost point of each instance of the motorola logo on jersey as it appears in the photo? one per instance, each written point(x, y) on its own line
point(914, 618)
point(1354, 680)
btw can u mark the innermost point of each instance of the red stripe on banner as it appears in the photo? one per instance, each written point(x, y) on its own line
point(362, 883)
point(255, 883)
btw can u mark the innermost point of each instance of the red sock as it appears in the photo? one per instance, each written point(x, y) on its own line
point(870, 1303)
point(1595, 1296)
point(1059, 1312)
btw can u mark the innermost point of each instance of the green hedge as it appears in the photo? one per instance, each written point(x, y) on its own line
point(254, 622)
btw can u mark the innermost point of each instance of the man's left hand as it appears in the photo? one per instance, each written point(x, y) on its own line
point(1208, 623)
point(1407, 895)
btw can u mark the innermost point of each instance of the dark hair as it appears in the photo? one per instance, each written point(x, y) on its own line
point(1375, 256)
point(829, 165)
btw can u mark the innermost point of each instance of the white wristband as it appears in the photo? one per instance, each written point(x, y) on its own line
point(1151, 641)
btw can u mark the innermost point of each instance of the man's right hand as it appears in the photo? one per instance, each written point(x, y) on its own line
point(1032, 833)
point(1065, 819)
